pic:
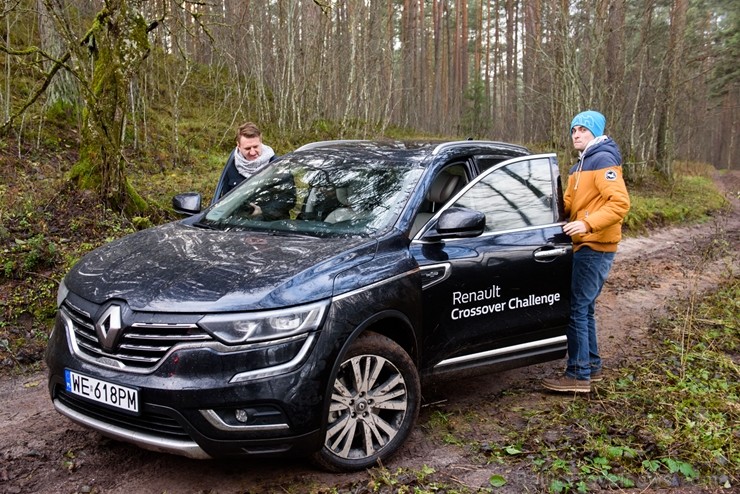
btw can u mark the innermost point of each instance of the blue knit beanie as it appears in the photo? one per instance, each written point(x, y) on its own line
point(592, 120)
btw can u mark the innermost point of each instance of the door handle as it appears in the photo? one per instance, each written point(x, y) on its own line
point(550, 253)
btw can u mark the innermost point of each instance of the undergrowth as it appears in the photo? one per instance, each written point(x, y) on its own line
point(667, 421)
point(689, 199)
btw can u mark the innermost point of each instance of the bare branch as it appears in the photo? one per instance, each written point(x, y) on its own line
point(9, 8)
point(31, 50)
point(325, 7)
point(37, 94)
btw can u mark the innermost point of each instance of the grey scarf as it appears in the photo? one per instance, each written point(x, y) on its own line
point(247, 168)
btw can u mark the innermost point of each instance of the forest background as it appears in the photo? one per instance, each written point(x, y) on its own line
point(177, 75)
point(109, 107)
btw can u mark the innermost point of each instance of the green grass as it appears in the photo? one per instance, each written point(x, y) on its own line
point(199, 175)
point(690, 199)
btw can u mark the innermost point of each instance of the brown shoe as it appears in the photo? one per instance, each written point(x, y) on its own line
point(567, 384)
point(597, 376)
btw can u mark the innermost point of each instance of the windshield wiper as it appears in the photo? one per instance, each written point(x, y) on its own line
point(205, 226)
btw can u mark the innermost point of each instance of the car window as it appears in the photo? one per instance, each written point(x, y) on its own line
point(324, 196)
point(516, 195)
point(486, 162)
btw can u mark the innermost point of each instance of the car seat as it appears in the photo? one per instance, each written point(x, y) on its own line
point(445, 185)
point(345, 212)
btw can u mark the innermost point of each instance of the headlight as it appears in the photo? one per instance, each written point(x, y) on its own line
point(249, 327)
point(61, 293)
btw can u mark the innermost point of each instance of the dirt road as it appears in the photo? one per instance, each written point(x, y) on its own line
point(43, 452)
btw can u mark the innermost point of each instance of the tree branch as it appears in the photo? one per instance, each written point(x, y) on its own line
point(325, 7)
point(58, 64)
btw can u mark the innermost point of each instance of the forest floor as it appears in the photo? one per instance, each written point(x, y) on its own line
point(43, 452)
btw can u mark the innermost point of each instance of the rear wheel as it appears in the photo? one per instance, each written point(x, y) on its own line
point(374, 405)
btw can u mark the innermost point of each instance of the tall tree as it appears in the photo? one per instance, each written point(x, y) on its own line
point(62, 89)
point(615, 66)
point(116, 43)
point(724, 85)
point(511, 69)
point(665, 144)
point(531, 61)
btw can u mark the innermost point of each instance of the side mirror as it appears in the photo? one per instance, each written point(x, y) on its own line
point(187, 204)
point(457, 222)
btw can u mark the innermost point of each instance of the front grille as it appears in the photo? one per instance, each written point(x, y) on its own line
point(141, 346)
point(153, 424)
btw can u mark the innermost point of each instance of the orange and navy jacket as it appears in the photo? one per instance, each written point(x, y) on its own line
point(596, 194)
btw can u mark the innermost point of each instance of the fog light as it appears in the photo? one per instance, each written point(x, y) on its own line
point(241, 415)
point(256, 418)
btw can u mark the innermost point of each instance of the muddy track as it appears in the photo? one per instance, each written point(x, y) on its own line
point(45, 453)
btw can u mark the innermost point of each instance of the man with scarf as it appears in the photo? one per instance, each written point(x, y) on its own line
point(596, 202)
point(250, 157)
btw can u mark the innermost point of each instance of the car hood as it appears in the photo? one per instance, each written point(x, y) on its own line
point(180, 268)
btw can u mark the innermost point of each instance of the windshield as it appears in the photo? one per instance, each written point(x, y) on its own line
point(322, 196)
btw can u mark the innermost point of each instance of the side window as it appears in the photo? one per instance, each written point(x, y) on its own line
point(487, 161)
point(517, 195)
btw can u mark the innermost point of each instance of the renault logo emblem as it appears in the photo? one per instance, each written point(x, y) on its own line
point(108, 327)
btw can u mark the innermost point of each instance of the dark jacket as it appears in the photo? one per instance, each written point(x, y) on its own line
point(230, 178)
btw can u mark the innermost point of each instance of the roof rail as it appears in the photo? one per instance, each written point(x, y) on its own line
point(450, 144)
point(318, 144)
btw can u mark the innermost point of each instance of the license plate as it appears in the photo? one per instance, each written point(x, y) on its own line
point(107, 393)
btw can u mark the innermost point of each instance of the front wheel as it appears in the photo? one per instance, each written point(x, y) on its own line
point(374, 405)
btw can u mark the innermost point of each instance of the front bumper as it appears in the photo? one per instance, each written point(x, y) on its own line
point(151, 442)
point(189, 403)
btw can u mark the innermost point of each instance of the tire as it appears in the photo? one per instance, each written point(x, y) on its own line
point(374, 405)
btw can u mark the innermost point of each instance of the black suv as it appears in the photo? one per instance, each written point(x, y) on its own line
point(300, 314)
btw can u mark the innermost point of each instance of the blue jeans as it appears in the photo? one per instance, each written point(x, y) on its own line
point(590, 269)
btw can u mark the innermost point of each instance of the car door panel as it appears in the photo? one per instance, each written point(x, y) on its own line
point(505, 287)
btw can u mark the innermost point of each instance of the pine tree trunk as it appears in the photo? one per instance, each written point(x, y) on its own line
point(665, 144)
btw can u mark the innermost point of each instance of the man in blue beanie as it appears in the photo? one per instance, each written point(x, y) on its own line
point(592, 120)
point(596, 202)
